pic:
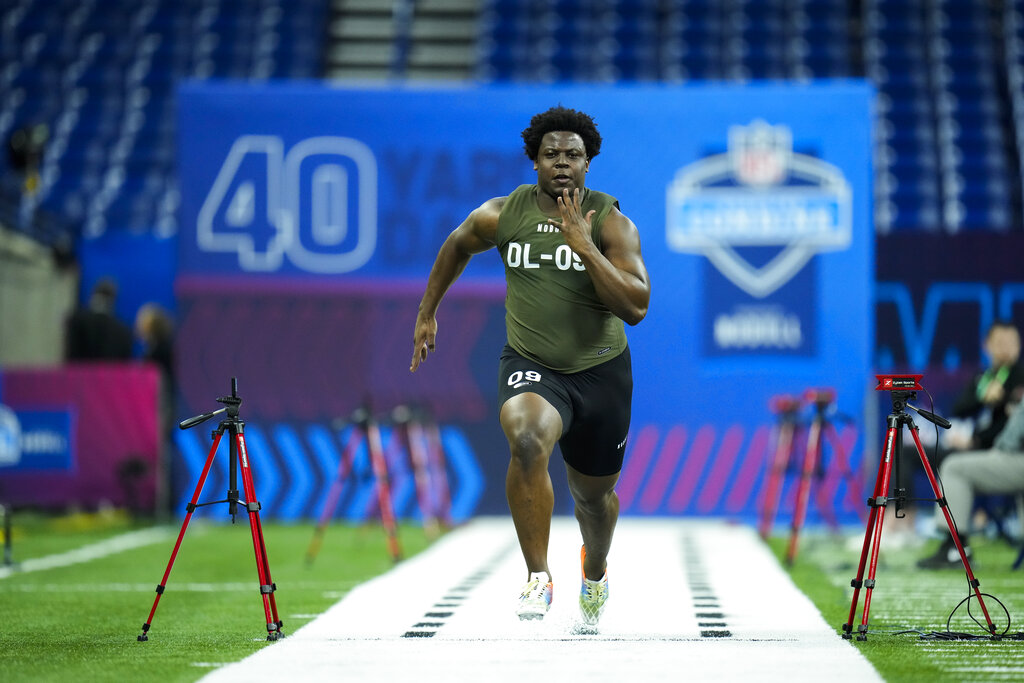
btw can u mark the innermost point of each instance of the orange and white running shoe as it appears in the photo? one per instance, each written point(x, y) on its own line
point(593, 594)
point(535, 600)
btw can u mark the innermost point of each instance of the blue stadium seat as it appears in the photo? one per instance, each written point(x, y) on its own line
point(127, 57)
point(121, 52)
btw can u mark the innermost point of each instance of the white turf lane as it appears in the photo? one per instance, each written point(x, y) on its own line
point(701, 600)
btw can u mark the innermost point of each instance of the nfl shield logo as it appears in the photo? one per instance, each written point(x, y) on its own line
point(721, 203)
point(759, 153)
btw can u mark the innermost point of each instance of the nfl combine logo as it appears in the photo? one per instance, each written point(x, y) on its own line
point(760, 154)
point(759, 194)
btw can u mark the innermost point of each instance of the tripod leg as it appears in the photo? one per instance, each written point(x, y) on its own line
point(776, 471)
point(804, 491)
point(181, 534)
point(414, 440)
point(252, 506)
point(852, 485)
point(439, 467)
point(952, 528)
point(380, 470)
point(872, 529)
point(8, 538)
point(880, 501)
point(825, 493)
point(331, 502)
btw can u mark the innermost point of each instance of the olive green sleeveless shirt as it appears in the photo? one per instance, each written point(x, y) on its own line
point(552, 313)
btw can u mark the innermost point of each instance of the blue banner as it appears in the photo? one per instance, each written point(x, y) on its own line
point(36, 440)
point(752, 203)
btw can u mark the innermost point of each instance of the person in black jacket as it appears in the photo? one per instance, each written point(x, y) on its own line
point(94, 332)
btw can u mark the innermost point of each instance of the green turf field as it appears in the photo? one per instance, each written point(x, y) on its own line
point(909, 599)
point(80, 623)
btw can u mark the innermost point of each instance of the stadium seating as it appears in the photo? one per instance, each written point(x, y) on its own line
point(950, 75)
point(948, 152)
point(101, 75)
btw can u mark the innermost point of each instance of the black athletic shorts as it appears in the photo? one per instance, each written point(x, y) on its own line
point(594, 405)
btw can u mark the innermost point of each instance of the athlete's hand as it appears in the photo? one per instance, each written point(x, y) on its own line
point(575, 226)
point(423, 339)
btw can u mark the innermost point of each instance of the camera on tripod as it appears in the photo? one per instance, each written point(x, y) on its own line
point(903, 389)
point(899, 383)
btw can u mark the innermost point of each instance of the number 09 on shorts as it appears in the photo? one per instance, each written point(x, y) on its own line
point(517, 377)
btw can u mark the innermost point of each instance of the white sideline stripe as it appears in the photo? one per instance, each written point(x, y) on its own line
point(88, 553)
point(188, 587)
point(670, 580)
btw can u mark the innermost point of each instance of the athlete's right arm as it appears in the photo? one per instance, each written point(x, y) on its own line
point(478, 233)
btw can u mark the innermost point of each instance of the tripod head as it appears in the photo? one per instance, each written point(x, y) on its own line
point(821, 397)
point(784, 405)
point(231, 404)
point(901, 400)
point(903, 389)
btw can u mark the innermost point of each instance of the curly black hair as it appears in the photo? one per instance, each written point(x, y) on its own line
point(561, 119)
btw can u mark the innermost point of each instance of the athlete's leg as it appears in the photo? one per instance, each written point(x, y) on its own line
point(597, 510)
point(532, 427)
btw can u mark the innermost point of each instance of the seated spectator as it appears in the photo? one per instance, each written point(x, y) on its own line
point(93, 332)
point(980, 411)
point(999, 470)
point(985, 399)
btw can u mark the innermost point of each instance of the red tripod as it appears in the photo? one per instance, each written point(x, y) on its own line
point(238, 454)
point(787, 409)
point(903, 389)
point(821, 428)
point(364, 426)
point(421, 453)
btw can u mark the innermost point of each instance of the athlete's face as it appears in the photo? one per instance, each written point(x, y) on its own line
point(561, 163)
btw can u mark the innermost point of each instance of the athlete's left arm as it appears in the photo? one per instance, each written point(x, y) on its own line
point(617, 269)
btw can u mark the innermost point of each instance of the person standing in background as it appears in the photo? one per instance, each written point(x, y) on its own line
point(94, 332)
point(155, 331)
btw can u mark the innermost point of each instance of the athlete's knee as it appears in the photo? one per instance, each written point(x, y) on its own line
point(531, 434)
point(529, 447)
point(594, 501)
point(599, 508)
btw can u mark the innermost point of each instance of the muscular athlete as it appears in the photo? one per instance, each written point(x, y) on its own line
point(574, 273)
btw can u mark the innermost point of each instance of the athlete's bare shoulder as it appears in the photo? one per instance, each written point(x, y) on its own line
point(492, 208)
point(483, 221)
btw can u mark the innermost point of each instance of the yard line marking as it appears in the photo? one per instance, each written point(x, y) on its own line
point(184, 587)
point(712, 623)
point(88, 553)
point(432, 620)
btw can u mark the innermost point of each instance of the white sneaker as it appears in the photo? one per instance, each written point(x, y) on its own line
point(593, 595)
point(535, 600)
